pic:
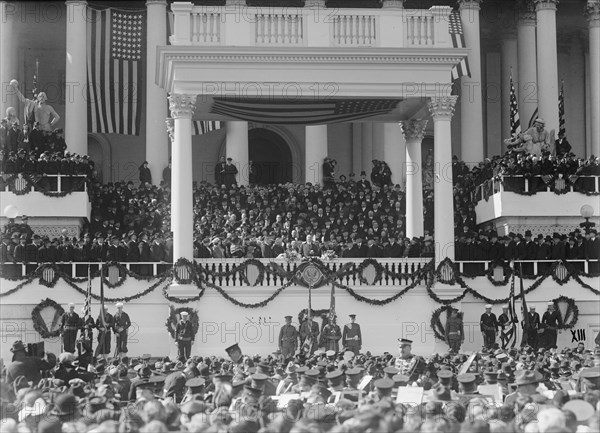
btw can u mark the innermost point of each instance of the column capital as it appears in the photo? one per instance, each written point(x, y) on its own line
point(392, 4)
point(156, 2)
point(592, 12)
point(170, 128)
point(413, 129)
point(181, 105)
point(73, 2)
point(442, 108)
point(541, 5)
point(470, 4)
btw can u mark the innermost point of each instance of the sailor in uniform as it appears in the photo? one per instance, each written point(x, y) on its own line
point(121, 325)
point(183, 334)
point(69, 325)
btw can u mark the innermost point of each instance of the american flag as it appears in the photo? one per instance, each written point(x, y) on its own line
point(524, 308)
point(511, 334)
point(458, 41)
point(87, 306)
point(115, 70)
point(302, 113)
point(533, 117)
point(515, 122)
point(562, 130)
point(205, 126)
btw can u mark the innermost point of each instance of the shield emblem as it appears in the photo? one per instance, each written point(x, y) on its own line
point(312, 275)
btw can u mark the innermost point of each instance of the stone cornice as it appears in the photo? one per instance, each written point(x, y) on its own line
point(442, 108)
point(156, 3)
point(413, 129)
point(182, 106)
point(545, 4)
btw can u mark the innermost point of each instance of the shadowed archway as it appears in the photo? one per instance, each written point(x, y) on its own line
point(271, 157)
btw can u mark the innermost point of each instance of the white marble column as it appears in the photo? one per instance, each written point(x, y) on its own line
point(574, 95)
point(182, 215)
point(76, 128)
point(8, 65)
point(413, 131)
point(442, 109)
point(471, 101)
point(356, 148)
point(547, 62)
point(315, 153)
point(237, 148)
point(157, 146)
point(509, 66)
point(593, 13)
point(366, 148)
point(527, 63)
point(394, 151)
point(378, 141)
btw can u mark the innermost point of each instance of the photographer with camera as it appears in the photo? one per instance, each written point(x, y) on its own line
point(29, 366)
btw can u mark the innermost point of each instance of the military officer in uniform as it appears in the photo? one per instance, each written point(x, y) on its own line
point(288, 339)
point(407, 363)
point(331, 336)
point(455, 331)
point(351, 336)
point(309, 335)
point(550, 322)
point(531, 329)
point(69, 324)
point(489, 326)
point(183, 336)
point(122, 324)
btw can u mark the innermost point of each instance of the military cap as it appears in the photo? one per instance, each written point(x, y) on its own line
point(259, 380)
point(218, 378)
point(157, 379)
point(467, 378)
point(321, 390)
point(391, 371)
point(252, 392)
point(335, 377)
point(301, 371)
point(445, 376)
point(353, 372)
point(404, 342)
point(384, 385)
point(313, 373)
point(400, 379)
point(195, 382)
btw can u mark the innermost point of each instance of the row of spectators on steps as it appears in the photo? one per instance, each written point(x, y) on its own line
point(14, 137)
point(21, 246)
point(471, 246)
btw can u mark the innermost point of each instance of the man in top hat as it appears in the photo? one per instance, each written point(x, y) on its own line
point(550, 322)
point(489, 326)
point(230, 172)
point(69, 325)
point(29, 366)
point(183, 335)
point(408, 364)
point(363, 184)
point(104, 324)
point(121, 325)
point(288, 339)
point(351, 336)
point(530, 329)
point(455, 331)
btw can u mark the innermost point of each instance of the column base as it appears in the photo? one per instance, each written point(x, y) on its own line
point(183, 290)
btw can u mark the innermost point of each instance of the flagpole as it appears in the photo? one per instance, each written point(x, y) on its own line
point(102, 318)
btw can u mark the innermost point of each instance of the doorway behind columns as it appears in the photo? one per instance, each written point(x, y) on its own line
point(271, 158)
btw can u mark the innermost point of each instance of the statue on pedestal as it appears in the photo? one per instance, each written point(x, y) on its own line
point(39, 108)
point(533, 140)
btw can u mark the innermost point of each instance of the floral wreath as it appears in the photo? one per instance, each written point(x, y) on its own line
point(436, 324)
point(173, 319)
point(571, 314)
point(507, 272)
point(38, 322)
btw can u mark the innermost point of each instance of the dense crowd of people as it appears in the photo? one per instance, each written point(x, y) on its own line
point(514, 390)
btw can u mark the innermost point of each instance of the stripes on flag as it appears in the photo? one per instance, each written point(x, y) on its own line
point(87, 306)
point(300, 112)
point(202, 127)
point(515, 121)
point(562, 130)
point(533, 117)
point(115, 70)
point(511, 334)
point(523, 308)
point(458, 41)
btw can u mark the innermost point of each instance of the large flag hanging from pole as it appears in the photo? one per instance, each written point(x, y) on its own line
point(511, 334)
point(515, 121)
point(458, 41)
point(115, 69)
point(533, 117)
point(87, 306)
point(205, 126)
point(562, 130)
point(523, 308)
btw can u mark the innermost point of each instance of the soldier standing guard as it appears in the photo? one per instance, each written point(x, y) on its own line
point(331, 336)
point(352, 337)
point(69, 324)
point(104, 324)
point(183, 336)
point(455, 331)
point(489, 327)
point(122, 324)
point(288, 339)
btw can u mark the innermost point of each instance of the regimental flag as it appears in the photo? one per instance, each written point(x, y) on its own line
point(523, 308)
point(115, 70)
point(562, 130)
point(331, 315)
point(511, 334)
point(202, 127)
point(515, 122)
point(87, 306)
point(533, 117)
point(458, 41)
point(302, 112)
